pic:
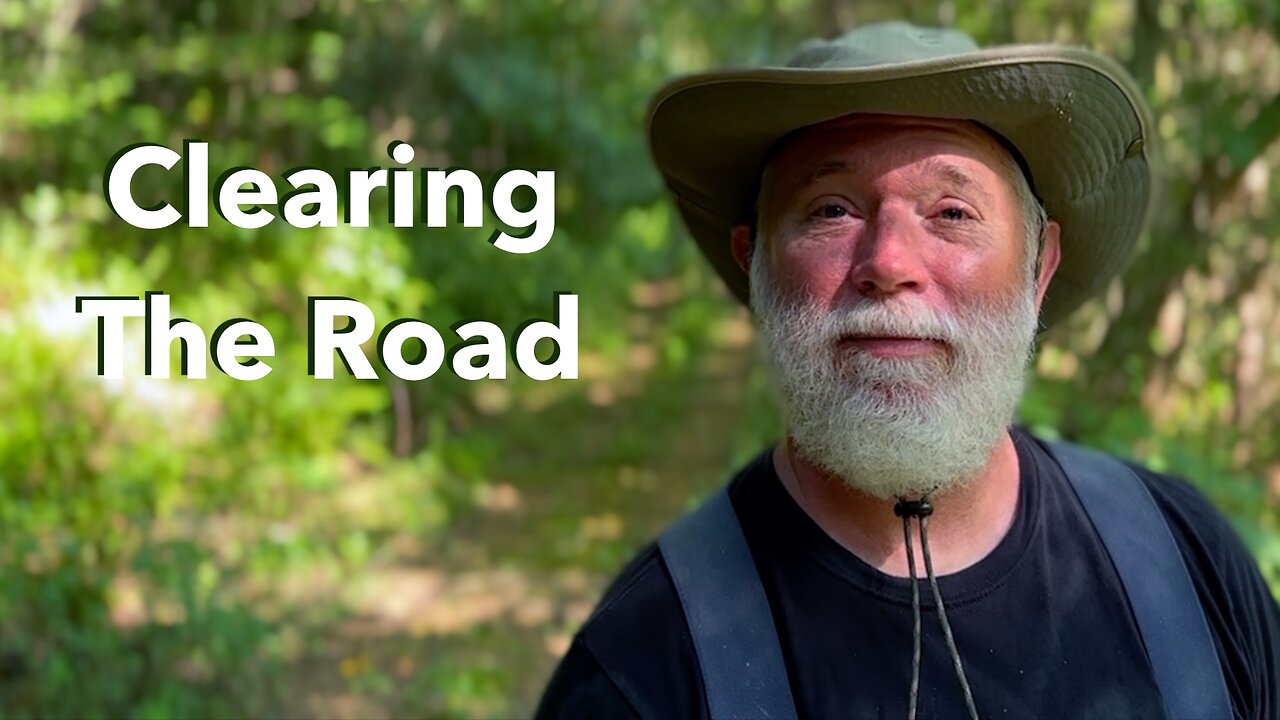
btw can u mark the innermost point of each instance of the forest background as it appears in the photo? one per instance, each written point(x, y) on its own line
point(291, 547)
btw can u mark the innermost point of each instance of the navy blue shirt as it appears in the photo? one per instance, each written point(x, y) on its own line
point(1041, 623)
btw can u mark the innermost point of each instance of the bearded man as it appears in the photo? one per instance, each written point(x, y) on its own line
point(904, 211)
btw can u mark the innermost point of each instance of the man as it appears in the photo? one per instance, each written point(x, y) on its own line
point(903, 210)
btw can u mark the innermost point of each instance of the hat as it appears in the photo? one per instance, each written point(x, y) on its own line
point(1077, 118)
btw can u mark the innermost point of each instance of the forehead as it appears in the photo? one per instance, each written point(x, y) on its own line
point(873, 145)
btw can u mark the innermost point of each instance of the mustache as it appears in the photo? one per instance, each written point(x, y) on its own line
point(889, 318)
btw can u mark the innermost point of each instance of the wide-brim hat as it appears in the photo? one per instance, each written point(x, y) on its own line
point(1077, 119)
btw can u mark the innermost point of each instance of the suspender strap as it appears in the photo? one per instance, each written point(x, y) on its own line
point(1155, 579)
point(743, 674)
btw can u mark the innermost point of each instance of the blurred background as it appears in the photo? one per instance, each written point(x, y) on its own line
point(292, 547)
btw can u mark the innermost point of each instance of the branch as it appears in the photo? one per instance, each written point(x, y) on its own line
point(1253, 141)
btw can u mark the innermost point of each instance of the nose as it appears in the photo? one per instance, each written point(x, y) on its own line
point(887, 258)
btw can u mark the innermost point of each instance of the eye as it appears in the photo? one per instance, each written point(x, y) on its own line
point(830, 211)
point(954, 213)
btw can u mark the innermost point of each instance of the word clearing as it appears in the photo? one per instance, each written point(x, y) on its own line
point(244, 194)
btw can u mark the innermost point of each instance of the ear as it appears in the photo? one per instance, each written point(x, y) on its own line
point(740, 245)
point(1049, 258)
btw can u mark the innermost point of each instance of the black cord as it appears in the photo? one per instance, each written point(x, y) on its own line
point(942, 615)
point(921, 510)
point(915, 614)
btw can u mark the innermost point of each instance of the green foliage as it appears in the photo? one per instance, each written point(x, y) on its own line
point(223, 549)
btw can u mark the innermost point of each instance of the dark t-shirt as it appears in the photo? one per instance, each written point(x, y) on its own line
point(1042, 624)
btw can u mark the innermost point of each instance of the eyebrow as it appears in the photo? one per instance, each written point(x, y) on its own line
point(834, 167)
point(957, 177)
point(953, 175)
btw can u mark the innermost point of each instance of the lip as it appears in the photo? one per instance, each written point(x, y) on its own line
point(892, 346)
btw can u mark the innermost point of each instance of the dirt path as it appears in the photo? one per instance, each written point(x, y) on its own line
point(472, 622)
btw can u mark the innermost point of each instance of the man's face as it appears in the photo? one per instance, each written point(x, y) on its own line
point(897, 304)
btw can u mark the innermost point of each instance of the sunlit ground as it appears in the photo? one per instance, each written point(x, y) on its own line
point(468, 615)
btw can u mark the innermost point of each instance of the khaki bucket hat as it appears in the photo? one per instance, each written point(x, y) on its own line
point(1077, 118)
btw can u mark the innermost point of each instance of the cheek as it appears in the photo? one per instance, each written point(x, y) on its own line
point(814, 270)
point(968, 279)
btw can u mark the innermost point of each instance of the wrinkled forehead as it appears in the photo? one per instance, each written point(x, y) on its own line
point(875, 143)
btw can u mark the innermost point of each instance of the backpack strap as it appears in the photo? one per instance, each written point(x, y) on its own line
point(1154, 577)
point(743, 674)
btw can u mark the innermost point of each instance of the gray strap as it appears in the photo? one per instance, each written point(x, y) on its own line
point(1151, 569)
point(743, 674)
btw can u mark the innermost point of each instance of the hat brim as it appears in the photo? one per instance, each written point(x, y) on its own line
point(1075, 116)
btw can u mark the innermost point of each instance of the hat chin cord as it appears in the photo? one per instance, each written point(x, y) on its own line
point(921, 509)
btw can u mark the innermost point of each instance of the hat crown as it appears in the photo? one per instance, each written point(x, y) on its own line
point(882, 44)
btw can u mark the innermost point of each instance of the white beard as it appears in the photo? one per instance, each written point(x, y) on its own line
point(896, 427)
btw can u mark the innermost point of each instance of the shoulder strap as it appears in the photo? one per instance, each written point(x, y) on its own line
point(1151, 569)
point(743, 674)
